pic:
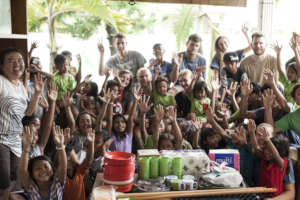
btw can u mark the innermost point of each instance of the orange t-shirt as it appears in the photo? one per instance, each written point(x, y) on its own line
point(74, 188)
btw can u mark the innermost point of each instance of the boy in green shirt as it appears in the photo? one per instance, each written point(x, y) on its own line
point(62, 78)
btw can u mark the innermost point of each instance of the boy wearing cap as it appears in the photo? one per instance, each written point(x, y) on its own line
point(231, 72)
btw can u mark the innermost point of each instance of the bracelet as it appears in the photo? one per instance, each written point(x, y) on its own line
point(60, 148)
point(26, 151)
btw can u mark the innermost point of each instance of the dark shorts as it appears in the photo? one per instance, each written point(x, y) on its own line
point(8, 167)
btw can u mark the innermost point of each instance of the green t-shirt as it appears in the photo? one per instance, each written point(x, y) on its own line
point(288, 87)
point(165, 101)
point(149, 142)
point(290, 122)
point(64, 84)
point(197, 107)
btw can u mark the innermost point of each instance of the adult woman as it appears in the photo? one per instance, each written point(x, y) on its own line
point(13, 106)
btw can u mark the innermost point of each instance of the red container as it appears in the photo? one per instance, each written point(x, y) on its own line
point(119, 167)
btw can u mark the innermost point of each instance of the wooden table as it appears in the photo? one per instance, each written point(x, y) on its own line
point(192, 193)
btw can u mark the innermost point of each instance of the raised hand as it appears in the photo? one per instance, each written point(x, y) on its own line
point(159, 112)
point(232, 89)
point(215, 83)
point(90, 136)
point(107, 96)
point(67, 135)
point(245, 29)
point(39, 83)
point(58, 136)
point(87, 78)
point(43, 102)
point(197, 124)
point(143, 104)
point(246, 87)
point(177, 59)
point(78, 59)
point(251, 126)
point(269, 77)
point(240, 135)
point(209, 114)
point(171, 113)
point(276, 47)
point(100, 48)
point(293, 43)
point(52, 92)
point(27, 137)
point(268, 98)
point(34, 45)
point(66, 100)
point(137, 94)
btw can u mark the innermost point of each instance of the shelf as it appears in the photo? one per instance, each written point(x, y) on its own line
point(13, 36)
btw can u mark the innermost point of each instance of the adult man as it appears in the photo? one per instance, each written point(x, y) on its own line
point(190, 59)
point(256, 64)
point(124, 59)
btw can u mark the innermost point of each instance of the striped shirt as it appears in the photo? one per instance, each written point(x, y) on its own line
point(56, 191)
point(13, 104)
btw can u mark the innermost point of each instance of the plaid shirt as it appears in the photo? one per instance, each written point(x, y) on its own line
point(56, 191)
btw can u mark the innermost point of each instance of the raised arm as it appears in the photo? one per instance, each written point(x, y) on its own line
point(27, 138)
point(66, 103)
point(48, 117)
point(215, 125)
point(156, 73)
point(159, 115)
point(78, 75)
point(245, 32)
point(252, 130)
point(246, 89)
point(105, 99)
point(58, 139)
point(215, 84)
point(177, 59)
point(144, 107)
point(102, 69)
point(277, 48)
point(295, 47)
point(90, 138)
point(38, 88)
point(273, 149)
point(137, 96)
point(171, 113)
point(270, 79)
point(231, 93)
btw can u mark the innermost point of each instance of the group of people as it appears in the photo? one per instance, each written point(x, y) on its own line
point(56, 128)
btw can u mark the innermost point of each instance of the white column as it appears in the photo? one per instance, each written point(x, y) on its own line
point(265, 18)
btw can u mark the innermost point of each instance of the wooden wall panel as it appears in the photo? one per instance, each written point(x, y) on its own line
point(240, 3)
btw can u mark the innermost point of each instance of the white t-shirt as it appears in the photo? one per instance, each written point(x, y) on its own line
point(13, 104)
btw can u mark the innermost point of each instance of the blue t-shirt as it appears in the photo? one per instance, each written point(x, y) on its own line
point(199, 61)
point(165, 69)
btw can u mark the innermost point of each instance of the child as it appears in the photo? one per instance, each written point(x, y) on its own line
point(274, 157)
point(166, 141)
point(160, 93)
point(120, 129)
point(38, 177)
point(125, 79)
point(76, 171)
point(290, 79)
point(199, 99)
point(63, 79)
point(114, 87)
